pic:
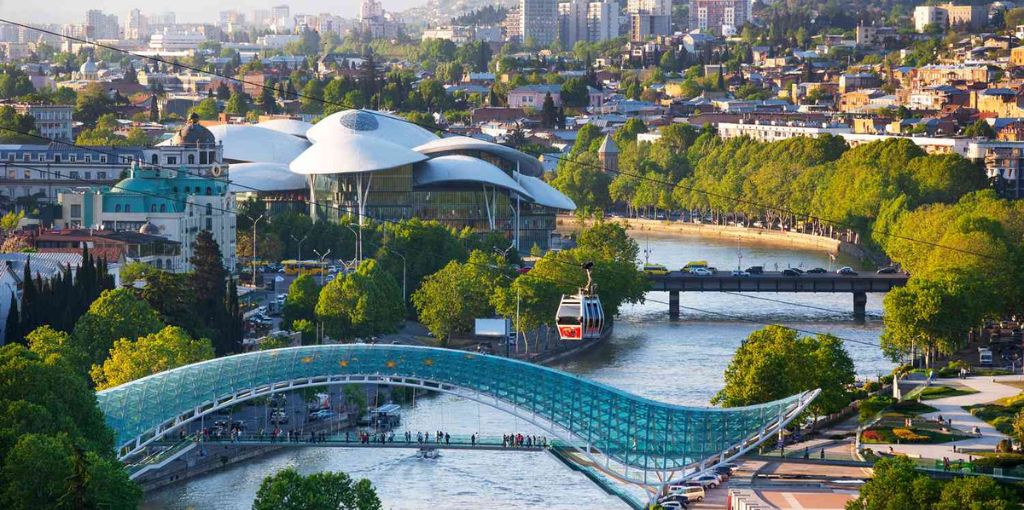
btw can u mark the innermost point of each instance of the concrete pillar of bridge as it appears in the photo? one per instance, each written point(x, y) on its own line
point(673, 304)
point(860, 301)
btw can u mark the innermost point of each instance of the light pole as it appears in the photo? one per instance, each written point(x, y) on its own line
point(359, 243)
point(322, 257)
point(299, 254)
point(254, 250)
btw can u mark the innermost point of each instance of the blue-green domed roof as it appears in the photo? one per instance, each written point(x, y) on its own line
point(140, 185)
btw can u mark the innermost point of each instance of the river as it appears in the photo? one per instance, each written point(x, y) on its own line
point(679, 362)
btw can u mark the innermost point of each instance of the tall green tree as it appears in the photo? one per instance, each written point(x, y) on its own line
point(896, 485)
point(363, 303)
point(449, 300)
point(115, 315)
point(210, 283)
point(168, 348)
point(301, 301)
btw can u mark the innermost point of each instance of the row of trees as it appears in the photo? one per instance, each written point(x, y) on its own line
point(897, 484)
point(450, 299)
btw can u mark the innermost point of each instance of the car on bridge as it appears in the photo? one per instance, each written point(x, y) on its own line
point(817, 270)
point(887, 270)
point(740, 273)
point(846, 271)
point(755, 270)
point(792, 271)
point(655, 269)
point(701, 271)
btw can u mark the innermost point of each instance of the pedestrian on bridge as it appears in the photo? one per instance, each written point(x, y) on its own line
point(447, 439)
point(472, 439)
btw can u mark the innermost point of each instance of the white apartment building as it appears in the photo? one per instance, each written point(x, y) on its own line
point(52, 120)
point(174, 40)
point(539, 21)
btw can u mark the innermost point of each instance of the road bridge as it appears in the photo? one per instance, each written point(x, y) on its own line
point(859, 285)
point(627, 437)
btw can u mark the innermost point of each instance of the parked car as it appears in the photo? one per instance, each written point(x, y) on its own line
point(887, 270)
point(755, 270)
point(707, 481)
point(674, 498)
point(792, 271)
point(673, 505)
point(817, 270)
point(702, 271)
point(692, 492)
point(846, 271)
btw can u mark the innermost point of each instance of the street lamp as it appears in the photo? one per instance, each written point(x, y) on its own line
point(254, 250)
point(322, 257)
point(403, 274)
point(359, 242)
point(299, 255)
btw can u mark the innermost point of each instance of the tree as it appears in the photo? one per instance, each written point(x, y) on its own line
point(207, 109)
point(300, 304)
point(57, 451)
point(209, 281)
point(115, 315)
point(237, 104)
point(12, 326)
point(267, 102)
point(364, 303)
point(548, 112)
point(771, 364)
point(92, 102)
point(976, 492)
point(169, 348)
point(449, 300)
point(289, 490)
point(610, 240)
point(980, 129)
point(312, 97)
point(896, 485)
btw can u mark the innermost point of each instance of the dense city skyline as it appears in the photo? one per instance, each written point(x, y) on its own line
point(188, 11)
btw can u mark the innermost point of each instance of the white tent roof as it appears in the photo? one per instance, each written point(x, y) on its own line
point(248, 177)
point(446, 171)
point(544, 194)
point(528, 165)
point(287, 126)
point(247, 143)
point(370, 123)
point(353, 153)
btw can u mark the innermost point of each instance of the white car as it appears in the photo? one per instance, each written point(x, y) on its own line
point(707, 481)
point(701, 271)
point(740, 273)
point(692, 492)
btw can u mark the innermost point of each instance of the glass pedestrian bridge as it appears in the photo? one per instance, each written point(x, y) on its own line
point(628, 437)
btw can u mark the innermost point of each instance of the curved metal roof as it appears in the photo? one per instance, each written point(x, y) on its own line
point(528, 165)
point(446, 171)
point(287, 126)
point(247, 177)
point(634, 431)
point(353, 153)
point(245, 143)
point(544, 194)
point(370, 123)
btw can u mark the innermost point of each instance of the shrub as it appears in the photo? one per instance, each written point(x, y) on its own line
point(1001, 460)
point(869, 407)
point(1003, 424)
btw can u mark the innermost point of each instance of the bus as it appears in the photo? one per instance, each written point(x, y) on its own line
point(695, 264)
point(301, 267)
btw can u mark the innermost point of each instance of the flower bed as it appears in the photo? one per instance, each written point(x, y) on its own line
point(909, 435)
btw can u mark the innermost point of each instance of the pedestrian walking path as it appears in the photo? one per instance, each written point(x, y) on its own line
point(951, 408)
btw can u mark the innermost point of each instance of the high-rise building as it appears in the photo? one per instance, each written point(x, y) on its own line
point(137, 28)
point(587, 20)
point(539, 21)
point(649, 18)
point(101, 26)
point(162, 20)
point(281, 18)
point(720, 17)
point(370, 10)
point(513, 25)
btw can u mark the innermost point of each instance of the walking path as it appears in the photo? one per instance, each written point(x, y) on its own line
point(989, 390)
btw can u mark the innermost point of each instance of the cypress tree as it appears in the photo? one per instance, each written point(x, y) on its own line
point(208, 283)
point(28, 296)
point(12, 329)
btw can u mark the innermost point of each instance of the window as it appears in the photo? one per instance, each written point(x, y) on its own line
point(127, 207)
point(163, 207)
point(88, 175)
point(154, 160)
point(103, 159)
point(209, 224)
point(202, 158)
point(159, 263)
point(74, 174)
point(72, 158)
point(152, 208)
point(191, 159)
point(172, 160)
point(117, 208)
point(26, 156)
point(88, 158)
point(209, 191)
point(209, 209)
point(187, 190)
point(76, 211)
point(101, 175)
point(56, 158)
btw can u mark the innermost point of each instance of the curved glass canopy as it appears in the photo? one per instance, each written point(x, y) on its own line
point(636, 432)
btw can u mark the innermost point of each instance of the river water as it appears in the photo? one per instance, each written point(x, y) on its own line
point(679, 362)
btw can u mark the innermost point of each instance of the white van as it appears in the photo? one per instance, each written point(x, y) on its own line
point(692, 492)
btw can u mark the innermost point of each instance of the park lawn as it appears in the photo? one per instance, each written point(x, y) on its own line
point(936, 392)
point(883, 435)
point(1000, 413)
point(909, 408)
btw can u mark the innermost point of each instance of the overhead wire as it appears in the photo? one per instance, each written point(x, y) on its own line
point(739, 200)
